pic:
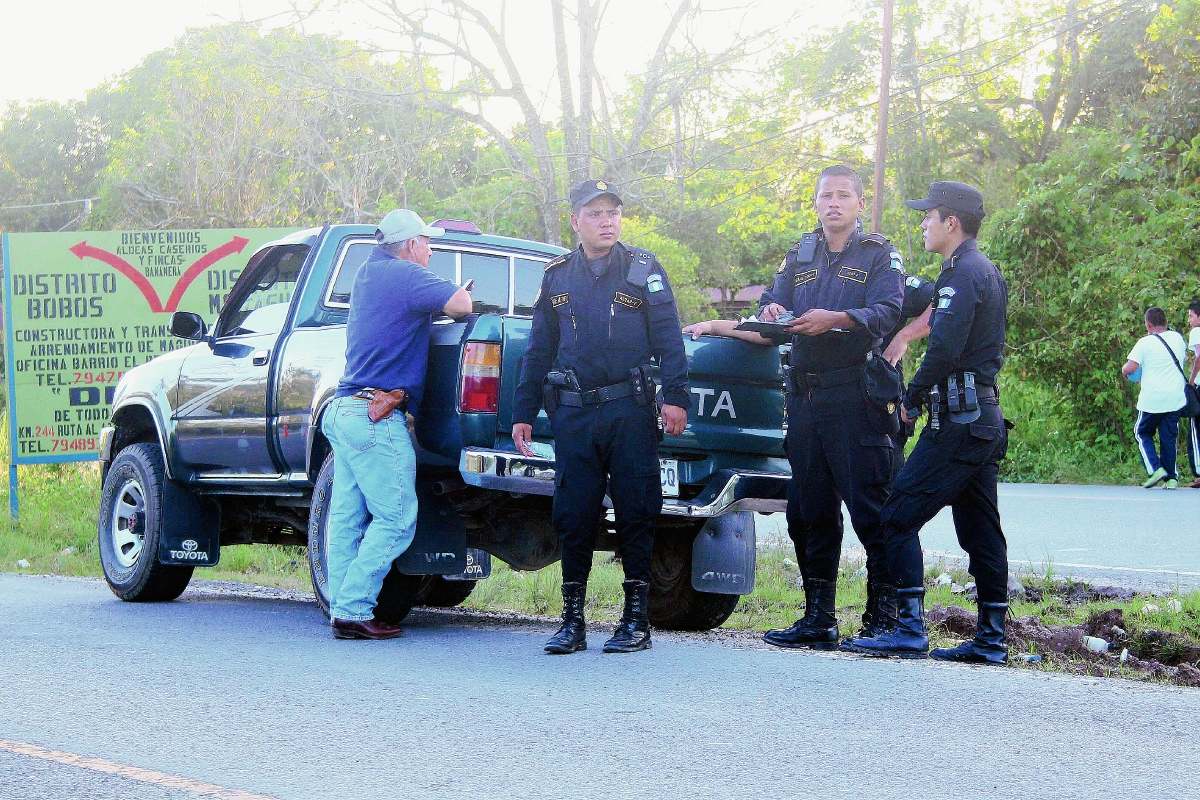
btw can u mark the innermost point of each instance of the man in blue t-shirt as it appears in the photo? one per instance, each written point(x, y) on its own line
point(392, 304)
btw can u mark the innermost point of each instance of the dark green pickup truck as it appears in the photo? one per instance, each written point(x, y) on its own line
point(219, 443)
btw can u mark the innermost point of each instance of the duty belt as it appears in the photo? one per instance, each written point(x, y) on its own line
point(594, 397)
point(982, 393)
point(803, 381)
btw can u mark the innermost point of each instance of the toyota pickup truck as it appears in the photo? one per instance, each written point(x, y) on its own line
point(219, 442)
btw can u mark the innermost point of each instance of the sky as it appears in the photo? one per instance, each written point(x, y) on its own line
point(59, 50)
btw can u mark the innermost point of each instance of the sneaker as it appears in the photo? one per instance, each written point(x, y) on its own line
point(1171, 484)
point(1155, 477)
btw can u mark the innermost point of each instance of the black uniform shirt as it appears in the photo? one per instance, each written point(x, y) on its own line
point(861, 280)
point(970, 309)
point(918, 294)
point(602, 326)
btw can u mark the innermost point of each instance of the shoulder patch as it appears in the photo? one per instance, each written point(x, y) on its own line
point(913, 281)
point(877, 239)
point(897, 261)
point(654, 283)
point(946, 291)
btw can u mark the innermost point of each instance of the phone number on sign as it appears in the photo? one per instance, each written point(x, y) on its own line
point(82, 445)
point(89, 378)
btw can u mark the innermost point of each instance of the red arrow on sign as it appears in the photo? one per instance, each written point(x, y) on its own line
point(235, 245)
point(84, 250)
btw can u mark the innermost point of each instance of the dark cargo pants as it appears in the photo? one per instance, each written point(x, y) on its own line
point(835, 455)
point(957, 467)
point(614, 447)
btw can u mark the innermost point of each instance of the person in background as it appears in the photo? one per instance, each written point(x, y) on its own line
point(1193, 440)
point(1159, 354)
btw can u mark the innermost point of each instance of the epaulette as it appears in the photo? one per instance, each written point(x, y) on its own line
point(558, 262)
point(876, 239)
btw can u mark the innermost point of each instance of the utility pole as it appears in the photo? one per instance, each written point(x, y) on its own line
point(885, 80)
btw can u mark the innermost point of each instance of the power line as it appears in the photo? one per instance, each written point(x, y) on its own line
point(48, 205)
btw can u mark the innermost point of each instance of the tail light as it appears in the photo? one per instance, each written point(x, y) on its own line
point(480, 378)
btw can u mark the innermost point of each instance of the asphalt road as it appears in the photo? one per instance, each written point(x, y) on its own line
point(252, 697)
point(1124, 536)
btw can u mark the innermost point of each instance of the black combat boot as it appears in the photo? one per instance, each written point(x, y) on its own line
point(880, 616)
point(572, 636)
point(990, 645)
point(907, 639)
point(818, 628)
point(633, 631)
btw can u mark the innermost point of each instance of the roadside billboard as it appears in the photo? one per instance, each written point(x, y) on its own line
point(83, 308)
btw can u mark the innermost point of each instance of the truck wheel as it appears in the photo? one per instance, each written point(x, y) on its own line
point(399, 592)
point(130, 526)
point(441, 593)
point(674, 604)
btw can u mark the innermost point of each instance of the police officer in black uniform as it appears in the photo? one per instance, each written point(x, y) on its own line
point(845, 293)
point(603, 311)
point(956, 459)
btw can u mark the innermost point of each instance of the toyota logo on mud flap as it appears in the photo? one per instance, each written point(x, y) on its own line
point(191, 551)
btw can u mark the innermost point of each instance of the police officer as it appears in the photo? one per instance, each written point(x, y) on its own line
point(845, 293)
point(603, 311)
point(956, 459)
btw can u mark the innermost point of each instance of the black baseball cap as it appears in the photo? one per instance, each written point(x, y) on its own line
point(588, 191)
point(960, 197)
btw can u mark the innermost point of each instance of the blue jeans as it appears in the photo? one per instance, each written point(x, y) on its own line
point(1166, 425)
point(373, 511)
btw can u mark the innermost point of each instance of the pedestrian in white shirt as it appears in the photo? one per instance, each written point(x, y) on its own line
point(1160, 356)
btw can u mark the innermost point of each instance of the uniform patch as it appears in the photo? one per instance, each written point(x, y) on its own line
point(853, 274)
point(946, 291)
point(782, 267)
point(944, 302)
point(629, 301)
point(805, 277)
point(897, 262)
point(559, 299)
point(654, 283)
point(913, 281)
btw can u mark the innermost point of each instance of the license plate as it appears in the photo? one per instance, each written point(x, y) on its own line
point(668, 471)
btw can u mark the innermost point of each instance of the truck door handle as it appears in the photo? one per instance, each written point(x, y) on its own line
point(260, 357)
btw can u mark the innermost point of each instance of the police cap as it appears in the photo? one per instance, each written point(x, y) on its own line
point(588, 191)
point(960, 197)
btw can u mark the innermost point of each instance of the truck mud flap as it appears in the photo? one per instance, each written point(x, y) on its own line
point(440, 544)
point(723, 555)
point(479, 566)
point(191, 528)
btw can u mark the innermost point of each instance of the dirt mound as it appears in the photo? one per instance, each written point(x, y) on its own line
point(953, 620)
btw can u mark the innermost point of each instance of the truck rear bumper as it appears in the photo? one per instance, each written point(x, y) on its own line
point(727, 490)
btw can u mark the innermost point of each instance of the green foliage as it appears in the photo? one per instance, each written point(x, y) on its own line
point(1103, 230)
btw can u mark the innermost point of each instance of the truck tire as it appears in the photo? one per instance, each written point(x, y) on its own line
point(441, 593)
point(399, 592)
point(130, 526)
point(674, 604)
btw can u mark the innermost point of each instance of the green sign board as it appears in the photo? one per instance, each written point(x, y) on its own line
point(83, 308)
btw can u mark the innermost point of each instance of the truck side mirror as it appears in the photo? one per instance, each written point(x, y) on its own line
point(188, 325)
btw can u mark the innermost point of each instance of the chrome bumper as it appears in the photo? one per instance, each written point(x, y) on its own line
point(727, 490)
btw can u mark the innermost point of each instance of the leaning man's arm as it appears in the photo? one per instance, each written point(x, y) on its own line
point(459, 305)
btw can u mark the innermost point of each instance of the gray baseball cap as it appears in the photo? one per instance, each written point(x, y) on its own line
point(401, 225)
point(961, 197)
